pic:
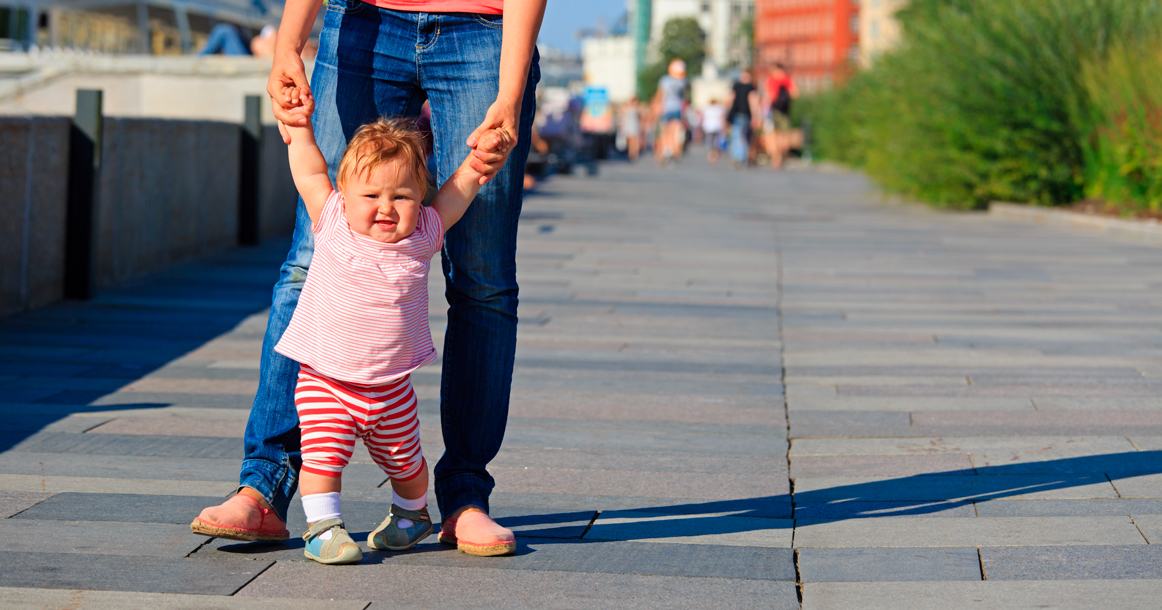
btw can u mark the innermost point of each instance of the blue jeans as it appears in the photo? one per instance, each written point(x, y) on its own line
point(740, 138)
point(376, 62)
point(225, 39)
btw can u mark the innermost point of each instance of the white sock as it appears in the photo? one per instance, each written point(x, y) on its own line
point(319, 507)
point(406, 504)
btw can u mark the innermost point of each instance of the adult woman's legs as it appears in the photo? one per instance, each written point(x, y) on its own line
point(459, 72)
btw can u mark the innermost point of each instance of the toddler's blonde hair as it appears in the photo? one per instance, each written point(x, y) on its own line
point(379, 143)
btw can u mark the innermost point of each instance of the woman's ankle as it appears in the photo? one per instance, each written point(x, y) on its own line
point(251, 493)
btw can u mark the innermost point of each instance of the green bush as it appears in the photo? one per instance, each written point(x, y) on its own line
point(984, 100)
point(1124, 160)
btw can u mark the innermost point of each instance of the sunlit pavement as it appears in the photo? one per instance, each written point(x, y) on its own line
point(974, 416)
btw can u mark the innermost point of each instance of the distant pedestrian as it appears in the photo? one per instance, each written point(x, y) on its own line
point(670, 100)
point(714, 129)
point(630, 126)
point(743, 116)
point(780, 91)
point(226, 39)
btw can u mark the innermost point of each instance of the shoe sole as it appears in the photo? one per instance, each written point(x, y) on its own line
point(371, 542)
point(479, 550)
point(217, 531)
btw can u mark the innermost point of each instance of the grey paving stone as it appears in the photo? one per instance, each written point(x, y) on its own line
point(861, 510)
point(126, 573)
point(554, 555)
point(51, 484)
point(769, 507)
point(1150, 526)
point(714, 529)
point(120, 466)
point(1009, 531)
point(1069, 508)
point(38, 599)
point(846, 423)
point(1073, 562)
point(13, 502)
point(204, 401)
point(478, 587)
point(929, 488)
point(1011, 595)
point(133, 444)
point(623, 441)
point(879, 465)
point(888, 564)
point(128, 508)
point(106, 538)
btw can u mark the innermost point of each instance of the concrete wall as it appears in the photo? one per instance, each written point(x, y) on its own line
point(277, 197)
point(136, 86)
point(33, 164)
point(167, 193)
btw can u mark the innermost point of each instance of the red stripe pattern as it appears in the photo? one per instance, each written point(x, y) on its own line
point(332, 414)
point(363, 314)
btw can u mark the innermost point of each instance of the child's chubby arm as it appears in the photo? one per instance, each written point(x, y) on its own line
point(307, 165)
point(460, 189)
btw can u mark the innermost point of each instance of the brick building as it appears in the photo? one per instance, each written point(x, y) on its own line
point(818, 40)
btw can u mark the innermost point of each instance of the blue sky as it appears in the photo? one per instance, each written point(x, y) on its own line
point(564, 17)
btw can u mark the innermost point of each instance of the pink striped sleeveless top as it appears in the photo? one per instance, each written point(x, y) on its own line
point(363, 313)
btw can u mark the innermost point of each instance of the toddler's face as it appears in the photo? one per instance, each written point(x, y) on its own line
point(383, 204)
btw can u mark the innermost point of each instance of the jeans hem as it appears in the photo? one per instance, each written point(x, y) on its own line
point(259, 474)
point(462, 491)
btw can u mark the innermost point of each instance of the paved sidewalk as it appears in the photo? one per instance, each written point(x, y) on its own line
point(974, 417)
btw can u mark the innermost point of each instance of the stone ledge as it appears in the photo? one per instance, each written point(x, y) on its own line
point(1138, 230)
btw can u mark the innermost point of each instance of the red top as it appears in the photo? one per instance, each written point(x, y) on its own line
point(774, 83)
point(486, 7)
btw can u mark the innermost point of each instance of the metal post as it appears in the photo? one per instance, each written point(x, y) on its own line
point(143, 28)
point(183, 22)
point(32, 27)
point(248, 233)
point(81, 220)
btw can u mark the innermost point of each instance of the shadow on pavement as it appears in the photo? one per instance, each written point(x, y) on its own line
point(76, 357)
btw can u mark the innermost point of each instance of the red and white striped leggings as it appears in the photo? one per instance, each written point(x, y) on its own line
point(332, 413)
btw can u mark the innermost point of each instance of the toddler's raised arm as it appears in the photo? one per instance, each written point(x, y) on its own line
point(307, 165)
point(460, 189)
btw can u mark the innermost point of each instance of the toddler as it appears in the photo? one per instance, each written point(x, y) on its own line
point(361, 325)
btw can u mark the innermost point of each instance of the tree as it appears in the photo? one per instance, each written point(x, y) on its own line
point(682, 38)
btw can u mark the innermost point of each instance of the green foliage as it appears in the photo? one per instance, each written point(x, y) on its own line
point(1125, 142)
point(682, 38)
point(982, 101)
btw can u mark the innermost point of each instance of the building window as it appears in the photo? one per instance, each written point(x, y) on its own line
point(875, 29)
point(705, 7)
point(855, 23)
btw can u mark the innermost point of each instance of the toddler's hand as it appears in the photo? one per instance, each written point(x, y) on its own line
point(491, 147)
point(298, 108)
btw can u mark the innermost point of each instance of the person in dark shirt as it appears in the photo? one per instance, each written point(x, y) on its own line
point(744, 114)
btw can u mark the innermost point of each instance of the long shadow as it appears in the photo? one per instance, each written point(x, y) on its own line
point(916, 495)
point(952, 493)
point(74, 357)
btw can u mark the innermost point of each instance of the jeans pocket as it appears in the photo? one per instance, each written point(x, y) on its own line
point(492, 21)
point(344, 6)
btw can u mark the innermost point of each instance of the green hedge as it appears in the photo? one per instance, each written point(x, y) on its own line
point(1124, 150)
point(984, 100)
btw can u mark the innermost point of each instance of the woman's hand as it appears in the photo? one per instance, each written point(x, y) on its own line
point(288, 89)
point(490, 156)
